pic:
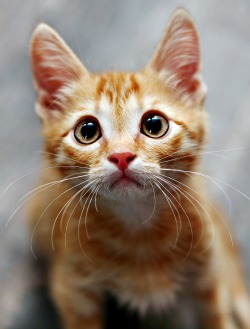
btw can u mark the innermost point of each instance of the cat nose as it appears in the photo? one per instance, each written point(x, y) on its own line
point(122, 160)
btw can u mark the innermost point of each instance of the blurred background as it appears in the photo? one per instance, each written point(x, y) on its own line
point(107, 35)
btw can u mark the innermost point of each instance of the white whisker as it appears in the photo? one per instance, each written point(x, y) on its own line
point(186, 194)
point(39, 219)
point(87, 209)
point(213, 178)
point(200, 153)
point(89, 187)
point(210, 204)
point(169, 203)
point(186, 215)
point(63, 210)
point(62, 156)
point(47, 185)
point(154, 205)
point(34, 171)
point(37, 190)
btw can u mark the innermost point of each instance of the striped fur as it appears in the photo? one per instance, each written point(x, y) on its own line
point(152, 240)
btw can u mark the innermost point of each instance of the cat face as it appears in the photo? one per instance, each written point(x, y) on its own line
point(120, 132)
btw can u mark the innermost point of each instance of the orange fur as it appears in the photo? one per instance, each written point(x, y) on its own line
point(156, 235)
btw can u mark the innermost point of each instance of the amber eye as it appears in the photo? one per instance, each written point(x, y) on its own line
point(87, 131)
point(154, 125)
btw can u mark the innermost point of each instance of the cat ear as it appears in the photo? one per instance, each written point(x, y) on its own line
point(177, 58)
point(55, 67)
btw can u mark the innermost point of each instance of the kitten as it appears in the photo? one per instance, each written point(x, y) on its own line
point(121, 207)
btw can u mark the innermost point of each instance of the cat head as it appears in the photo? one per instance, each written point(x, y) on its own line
point(122, 133)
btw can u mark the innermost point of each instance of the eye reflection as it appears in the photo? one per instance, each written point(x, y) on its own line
point(154, 126)
point(87, 131)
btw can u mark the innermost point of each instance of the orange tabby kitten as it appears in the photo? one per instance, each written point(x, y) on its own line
point(121, 206)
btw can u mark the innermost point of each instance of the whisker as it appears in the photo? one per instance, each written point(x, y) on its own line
point(189, 223)
point(61, 156)
point(186, 194)
point(213, 178)
point(179, 189)
point(87, 209)
point(63, 209)
point(201, 153)
point(180, 151)
point(85, 203)
point(47, 185)
point(154, 206)
point(72, 198)
point(96, 200)
point(34, 171)
point(39, 219)
point(210, 204)
point(79, 223)
point(33, 194)
point(188, 219)
point(88, 186)
point(169, 203)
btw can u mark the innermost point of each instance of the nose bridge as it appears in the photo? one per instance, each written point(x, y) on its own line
point(122, 134)
point(121, 143)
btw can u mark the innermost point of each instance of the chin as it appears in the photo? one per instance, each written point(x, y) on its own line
point(124, 190)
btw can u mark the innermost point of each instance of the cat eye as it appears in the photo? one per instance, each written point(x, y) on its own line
point(154, 125)
point(87, 131)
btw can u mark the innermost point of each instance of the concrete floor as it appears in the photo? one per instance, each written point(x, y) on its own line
point(114, 34)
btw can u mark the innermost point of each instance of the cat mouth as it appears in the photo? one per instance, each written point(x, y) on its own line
point(125, 180)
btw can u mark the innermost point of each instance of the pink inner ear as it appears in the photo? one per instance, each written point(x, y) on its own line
point(187, 80)
point(178, 56)
point(46, 82)
point(54, 66)
point(47, 67)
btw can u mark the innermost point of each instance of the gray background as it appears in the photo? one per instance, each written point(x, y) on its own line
point(116, 34)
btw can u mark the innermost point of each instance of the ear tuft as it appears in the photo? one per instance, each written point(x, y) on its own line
point(177, 58)
point(54, 65)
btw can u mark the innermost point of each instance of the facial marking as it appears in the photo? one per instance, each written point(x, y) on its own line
point(119, 104)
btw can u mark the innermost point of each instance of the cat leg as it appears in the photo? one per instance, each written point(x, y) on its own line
point(241, 304)
point(216, 308)
point(79, 308)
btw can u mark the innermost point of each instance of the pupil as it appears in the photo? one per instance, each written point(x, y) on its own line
point(153, 125)
point(88, 130)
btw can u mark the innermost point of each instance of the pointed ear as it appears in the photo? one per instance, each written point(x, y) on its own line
point(55, 67)
point(177, 58)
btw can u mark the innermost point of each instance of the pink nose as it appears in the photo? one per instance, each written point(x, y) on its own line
point(122, 160)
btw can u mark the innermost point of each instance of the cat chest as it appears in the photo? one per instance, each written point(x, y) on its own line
point(143, 282)
point(141, 274)
point(144, 287)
